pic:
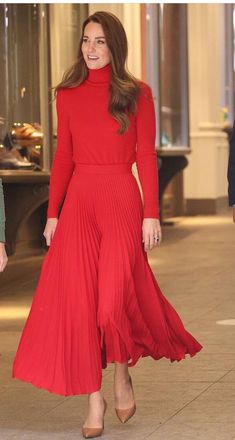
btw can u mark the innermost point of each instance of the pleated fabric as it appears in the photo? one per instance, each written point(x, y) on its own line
point(97, 300)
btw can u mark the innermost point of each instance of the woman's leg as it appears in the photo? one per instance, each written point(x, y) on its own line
point(123, 392)
point(95, 414)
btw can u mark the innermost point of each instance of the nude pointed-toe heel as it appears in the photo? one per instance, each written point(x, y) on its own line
point(94, 432)
point(125, 414)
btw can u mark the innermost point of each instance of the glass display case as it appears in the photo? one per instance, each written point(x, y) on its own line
point(21, 134)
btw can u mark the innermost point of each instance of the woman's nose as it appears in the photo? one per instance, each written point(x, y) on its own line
point(91, 46)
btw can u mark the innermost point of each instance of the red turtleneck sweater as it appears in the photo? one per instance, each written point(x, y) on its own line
point(87, 134)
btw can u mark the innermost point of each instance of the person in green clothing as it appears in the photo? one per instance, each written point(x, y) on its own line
point(3, 255)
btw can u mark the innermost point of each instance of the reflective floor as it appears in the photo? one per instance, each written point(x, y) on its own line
point(193, 399)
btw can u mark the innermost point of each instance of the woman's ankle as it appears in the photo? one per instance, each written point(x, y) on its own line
point(121, 372)
point(95, 397)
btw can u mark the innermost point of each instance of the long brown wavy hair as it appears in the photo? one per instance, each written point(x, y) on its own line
point(124, 87)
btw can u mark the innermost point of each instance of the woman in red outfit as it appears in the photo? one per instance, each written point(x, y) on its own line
point(97, 300)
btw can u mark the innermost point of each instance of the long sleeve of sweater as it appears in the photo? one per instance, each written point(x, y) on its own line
point(63, 165)
point(146, 155)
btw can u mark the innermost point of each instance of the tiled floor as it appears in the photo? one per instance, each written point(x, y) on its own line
point(193, 399)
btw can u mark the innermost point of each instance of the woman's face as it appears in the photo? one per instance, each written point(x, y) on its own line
point(94, 47)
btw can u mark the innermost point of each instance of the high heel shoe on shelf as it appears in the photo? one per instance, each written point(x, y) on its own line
point(94, 432)
point(125, 414)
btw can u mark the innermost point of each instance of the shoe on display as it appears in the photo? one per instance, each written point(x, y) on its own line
point(9, 161)
point(27, 134)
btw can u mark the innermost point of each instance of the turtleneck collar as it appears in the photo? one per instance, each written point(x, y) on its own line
point(99, 76)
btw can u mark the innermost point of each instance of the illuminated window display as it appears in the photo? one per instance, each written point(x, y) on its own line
point(20, 130)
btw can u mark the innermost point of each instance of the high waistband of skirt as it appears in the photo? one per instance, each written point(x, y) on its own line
point(112, 168)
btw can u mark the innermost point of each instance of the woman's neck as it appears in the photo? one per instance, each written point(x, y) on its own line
point(99, 76)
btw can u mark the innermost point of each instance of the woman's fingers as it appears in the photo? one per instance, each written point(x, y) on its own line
point(48, 240)
point(50, 230)
point(146, 241)
point(150, 240)
point(159, 235)
point(152, 234)
point(48, 236)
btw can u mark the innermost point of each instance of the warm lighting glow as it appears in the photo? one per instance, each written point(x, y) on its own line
point(22, 91)
point(201, 220)
point(226, 322)
point(155, 260)
point(8, 313)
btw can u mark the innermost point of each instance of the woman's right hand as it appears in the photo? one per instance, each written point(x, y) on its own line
point(3, 257)
point(233, 214)
point(50, 230)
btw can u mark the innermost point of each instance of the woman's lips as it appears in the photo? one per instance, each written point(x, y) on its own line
point(92, 58)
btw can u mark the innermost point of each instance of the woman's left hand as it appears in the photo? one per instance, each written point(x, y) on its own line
point(152, 234)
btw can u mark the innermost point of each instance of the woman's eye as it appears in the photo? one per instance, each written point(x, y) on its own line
point(85, 40)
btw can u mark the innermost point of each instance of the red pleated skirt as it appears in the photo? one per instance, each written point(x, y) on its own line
point(97, 300)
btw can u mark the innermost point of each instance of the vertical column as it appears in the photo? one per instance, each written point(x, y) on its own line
point(44, 80)
point(205, 177)
point(4, 72)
